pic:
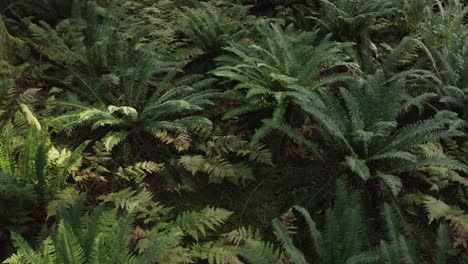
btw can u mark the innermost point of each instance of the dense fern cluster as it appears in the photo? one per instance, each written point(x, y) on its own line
point(174, 131)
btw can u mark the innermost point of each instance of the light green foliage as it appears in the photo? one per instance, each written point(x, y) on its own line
point(215, 162)
point(99, 237)
point(198, 223)
point(160, 16)
point(32, 172)
point(279, 66)
point(142, 202)
point(162, 19)
point(438, 210)
point(441, 176)
point(37, 164)
point(167, 108)
point(106, 236)
point(16, 106)
point(138, 171)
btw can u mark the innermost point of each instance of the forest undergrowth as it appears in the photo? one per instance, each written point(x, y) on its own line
point(233, 131)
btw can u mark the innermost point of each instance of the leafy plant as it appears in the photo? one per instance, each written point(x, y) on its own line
point(353, 21)
point(17, 201)
point(101, 236)
point(100, 54)
point(437, 205)
point(214, 159)
point(399, 249)
point(281, 64)
point(107, 236)
point(446, 37)
point(373, 89)
point(364, 124)
point(166, 109)
point(342, 239)
point(211, 27)
point(33, 161)
point(16, 105)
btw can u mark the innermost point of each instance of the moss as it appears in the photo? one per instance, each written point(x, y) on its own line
point(12, 49)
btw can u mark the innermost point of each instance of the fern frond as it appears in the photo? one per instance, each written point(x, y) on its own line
point(68, 248)
point(283, 237)
point(196, 224)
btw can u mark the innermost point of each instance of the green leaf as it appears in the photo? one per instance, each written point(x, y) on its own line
point(392, 182)
point(359, 167)
point(113, 138)
point(32, 120)
point(69, 250)
point(193, 163)
point(125, 110)
point(436, 209)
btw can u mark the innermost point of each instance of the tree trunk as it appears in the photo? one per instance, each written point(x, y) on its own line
point(11, 49)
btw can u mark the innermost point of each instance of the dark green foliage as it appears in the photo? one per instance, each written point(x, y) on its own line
point(212, 27)
point(397, 248)
point(281, 65)
point(100, 237)
point(98, 53)
point(450, 76)
point(343, 237)
point(122, 91)
point(17, 201)
point(167, 111)
point(364, 123)
point(354, 20)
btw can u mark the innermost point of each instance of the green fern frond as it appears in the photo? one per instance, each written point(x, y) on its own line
point(113, 138)
point(196, 224)
point(292, 251)
point(68, 248)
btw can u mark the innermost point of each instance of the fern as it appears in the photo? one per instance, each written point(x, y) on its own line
point(211, 27)
point(374, 138)
point(354, 21)
point(139, 171)
point(17, 203)
point(105, 236)
point(12, 102)
point(196, 224)
point(215, 159)
point(32, 160)
point(171, 110)
point(142, 202)
point(216, 254)
point(341, 240)
point(399, 248)
point(279, 66)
